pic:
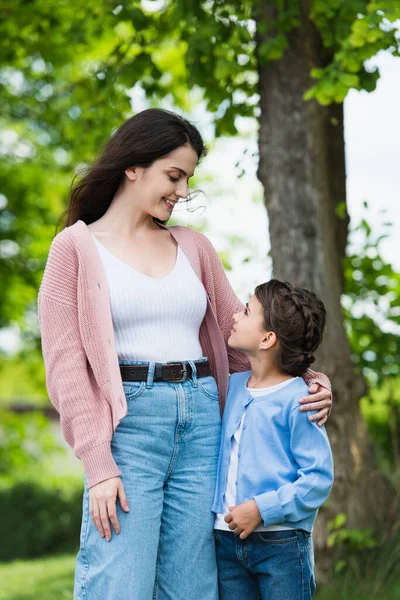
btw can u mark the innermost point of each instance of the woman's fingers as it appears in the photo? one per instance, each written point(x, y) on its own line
point(324, 405)
point(95, 514)
point(105, 520)
point(112, 513)
point(321, 416)
point(123, 500)
point(325, 395)
point(103, 498)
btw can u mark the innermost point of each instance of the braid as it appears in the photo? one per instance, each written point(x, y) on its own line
point(297, 316)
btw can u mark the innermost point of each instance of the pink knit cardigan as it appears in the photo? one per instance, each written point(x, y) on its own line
point(82, 371)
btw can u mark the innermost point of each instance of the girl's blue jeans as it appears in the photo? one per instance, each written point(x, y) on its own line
point(167, 450)
point(270, 565)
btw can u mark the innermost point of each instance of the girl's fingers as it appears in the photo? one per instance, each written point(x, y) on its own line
point(228, 518)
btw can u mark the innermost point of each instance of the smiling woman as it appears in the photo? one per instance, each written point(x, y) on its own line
point(135, 318)
point(148, 136)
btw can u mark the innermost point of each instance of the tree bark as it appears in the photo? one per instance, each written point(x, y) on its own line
point(302, 169)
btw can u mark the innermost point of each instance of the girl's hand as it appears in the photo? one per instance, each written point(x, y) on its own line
point(102, 505)
point(321, 400)
point(244, 518)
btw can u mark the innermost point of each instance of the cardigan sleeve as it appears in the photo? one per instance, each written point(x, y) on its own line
point(224, 301)
point(297, 500)
point(85, 414)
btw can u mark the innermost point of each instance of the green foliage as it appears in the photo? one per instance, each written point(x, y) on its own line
point(381, 411)
point(22, 378)
point(25, 439)
point(349, 541)
point(352, 32)
point(40, 520)
point(372, 307)
point(369, 571)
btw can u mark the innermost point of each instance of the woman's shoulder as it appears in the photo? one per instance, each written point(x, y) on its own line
point(62, 262)
point(195, 237)
point(67, 240)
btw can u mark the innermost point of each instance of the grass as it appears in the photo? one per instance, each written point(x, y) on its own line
point(52, 578)
point(40, 579)
point(348, 592)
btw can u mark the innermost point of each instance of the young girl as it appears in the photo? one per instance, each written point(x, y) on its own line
point(275, 466)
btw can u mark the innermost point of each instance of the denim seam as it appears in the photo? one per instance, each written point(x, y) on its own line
point(203, 389)
point(283, 542)
point(176, 443)
point(301, 549)
point(155, 588)
point(84, 553)
point(138, 392)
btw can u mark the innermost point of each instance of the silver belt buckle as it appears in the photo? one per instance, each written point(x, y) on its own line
point(184, 371)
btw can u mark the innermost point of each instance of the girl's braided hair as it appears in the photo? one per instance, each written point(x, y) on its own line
point(297, 316)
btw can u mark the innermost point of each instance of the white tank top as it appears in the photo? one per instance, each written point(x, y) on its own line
point(155, 319)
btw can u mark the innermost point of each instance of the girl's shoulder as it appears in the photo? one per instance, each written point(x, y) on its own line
point(239, 379)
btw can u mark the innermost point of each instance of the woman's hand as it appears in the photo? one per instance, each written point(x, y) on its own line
point(321, 400)
point(102, 505)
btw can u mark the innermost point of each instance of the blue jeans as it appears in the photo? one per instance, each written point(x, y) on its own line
point(270, 565)
point(167, 450)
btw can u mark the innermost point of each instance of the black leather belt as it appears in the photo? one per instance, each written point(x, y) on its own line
point(176, 372)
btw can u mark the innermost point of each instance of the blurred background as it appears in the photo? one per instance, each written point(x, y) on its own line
point(298, 103)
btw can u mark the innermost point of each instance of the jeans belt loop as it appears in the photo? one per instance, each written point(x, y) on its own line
point(150, 375)
point(194, 373)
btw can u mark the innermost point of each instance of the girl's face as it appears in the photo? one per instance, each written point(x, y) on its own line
point(157, 189)
point(248, 333)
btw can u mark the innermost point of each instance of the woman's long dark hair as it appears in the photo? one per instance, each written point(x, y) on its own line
point(141, 140)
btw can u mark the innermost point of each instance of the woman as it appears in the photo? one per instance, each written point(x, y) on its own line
point(134, 318)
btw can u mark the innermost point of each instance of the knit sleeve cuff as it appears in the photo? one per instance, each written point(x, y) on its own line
point(270, 508)
point(311, 377)
point(99, 464)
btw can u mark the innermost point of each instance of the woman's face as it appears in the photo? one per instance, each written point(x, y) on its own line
point(157, 189)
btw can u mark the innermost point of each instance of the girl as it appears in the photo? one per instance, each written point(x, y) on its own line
point(275, 466)
point(134, 318)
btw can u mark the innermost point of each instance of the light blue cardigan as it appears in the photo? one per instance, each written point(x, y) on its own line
point(285, 460)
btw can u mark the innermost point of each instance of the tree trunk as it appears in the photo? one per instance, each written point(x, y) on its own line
point(302, 169)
